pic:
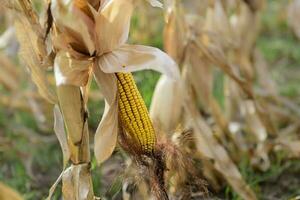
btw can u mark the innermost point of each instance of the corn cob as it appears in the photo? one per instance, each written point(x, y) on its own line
point(134, 114)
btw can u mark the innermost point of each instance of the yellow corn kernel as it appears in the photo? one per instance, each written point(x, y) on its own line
point(134, 114)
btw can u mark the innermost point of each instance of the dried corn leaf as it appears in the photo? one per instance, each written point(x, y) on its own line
point(217, 153)
point(7, 37)
point(7, 193)
point(263, 73)
point(293, 16)
point(59, 130)
point(292, 146)
point(253, 121)
point(30, 54)
point(53, 187)
point(9, 75)
point(200, 75)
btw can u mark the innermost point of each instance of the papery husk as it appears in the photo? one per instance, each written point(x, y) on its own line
point(166, 104)
point(107, 131)
point(175, 31)
point(77, 183)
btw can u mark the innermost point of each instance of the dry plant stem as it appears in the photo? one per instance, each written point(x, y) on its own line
point(75, 117)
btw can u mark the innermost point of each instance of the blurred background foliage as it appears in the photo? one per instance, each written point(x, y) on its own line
point(30, 156)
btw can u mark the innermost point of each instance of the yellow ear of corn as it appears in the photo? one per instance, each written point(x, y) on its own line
point(134, 114)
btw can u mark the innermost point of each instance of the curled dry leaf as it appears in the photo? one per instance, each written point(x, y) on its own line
point(130, 58)
point(7, 193)
point(107, 131)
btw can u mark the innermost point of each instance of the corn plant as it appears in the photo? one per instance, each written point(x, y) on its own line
point(82, 47)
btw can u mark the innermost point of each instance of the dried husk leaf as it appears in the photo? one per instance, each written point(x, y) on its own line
point(77, 183)
point(7, 193)
point(75, 27)
point(174, 32)
point(166, 104)
point(107, 131)
point(115, 15)
point(130, 58)
point(71, 71)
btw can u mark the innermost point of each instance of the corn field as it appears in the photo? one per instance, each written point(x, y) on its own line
point(149, 99)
